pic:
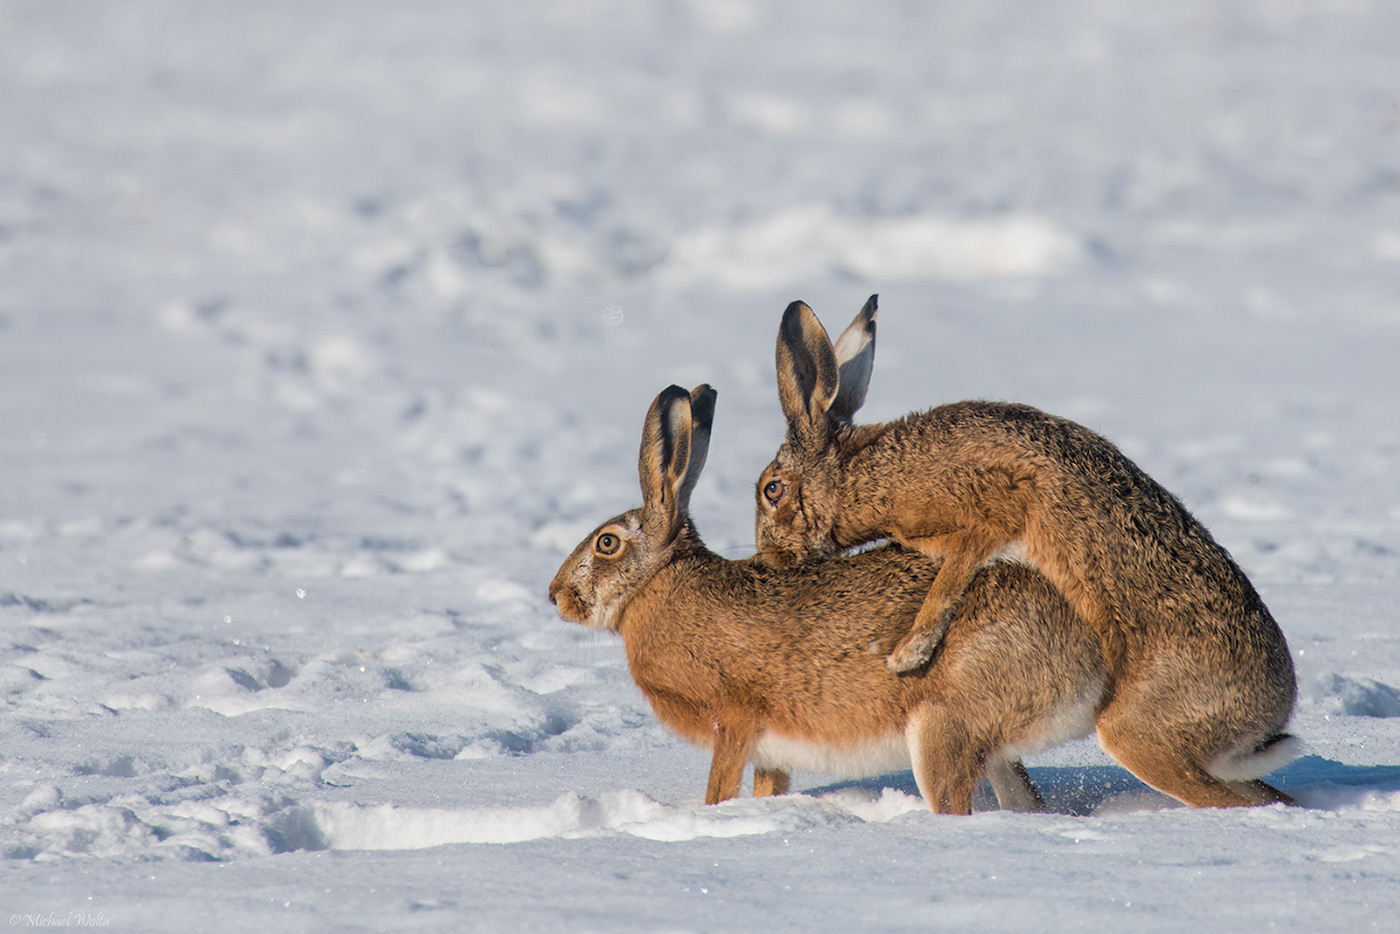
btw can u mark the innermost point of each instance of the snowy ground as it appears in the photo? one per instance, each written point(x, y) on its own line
point(325, 331)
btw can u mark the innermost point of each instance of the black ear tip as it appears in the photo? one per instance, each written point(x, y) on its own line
point(671, 393)
point(793, 312)
point(793, 328)
point(702, 403)
point(666, 400)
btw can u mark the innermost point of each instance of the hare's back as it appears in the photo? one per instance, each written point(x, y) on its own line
point(1013, 428)
point(1013, 644)
point(876, 594)
point(869, 595)
point(1012, 616)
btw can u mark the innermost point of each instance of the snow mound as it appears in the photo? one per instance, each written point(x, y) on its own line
point(1358, 697)
point(203, 821)
point(803, 243)
point(387, 827)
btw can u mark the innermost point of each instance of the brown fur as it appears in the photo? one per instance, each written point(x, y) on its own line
point(731, 652)
point(1197, 663)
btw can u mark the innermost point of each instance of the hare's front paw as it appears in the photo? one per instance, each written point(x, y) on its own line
point(911, 654)
point(915, 650)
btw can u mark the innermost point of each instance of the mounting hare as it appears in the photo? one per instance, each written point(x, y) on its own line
point(768, 664)
point(1201, 681)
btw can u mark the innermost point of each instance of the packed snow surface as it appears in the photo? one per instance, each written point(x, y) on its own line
point(327, 329)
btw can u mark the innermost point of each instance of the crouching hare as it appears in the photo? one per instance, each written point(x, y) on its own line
point(1200, 679)
point(768, 665)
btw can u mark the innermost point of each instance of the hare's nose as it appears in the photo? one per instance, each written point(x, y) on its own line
point(553, 599)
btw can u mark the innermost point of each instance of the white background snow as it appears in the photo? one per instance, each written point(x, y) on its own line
point(326, 329)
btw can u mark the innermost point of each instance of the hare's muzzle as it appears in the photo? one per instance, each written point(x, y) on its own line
point(773, 554)
point(566, 600)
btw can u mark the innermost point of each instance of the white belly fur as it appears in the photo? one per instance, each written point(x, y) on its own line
point(1066, 721)
point(1069, 720)
point(1013, 552)
point(888, 754)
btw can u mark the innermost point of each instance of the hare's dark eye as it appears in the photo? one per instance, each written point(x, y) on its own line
point(607, 544)
point(774, 491)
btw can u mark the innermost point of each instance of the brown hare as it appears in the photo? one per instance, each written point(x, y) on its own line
point(1201, 681)
point(758, 664)
point(767, 665)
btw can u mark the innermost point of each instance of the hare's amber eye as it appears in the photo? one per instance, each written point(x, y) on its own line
point(774, 491)
point(607, 544)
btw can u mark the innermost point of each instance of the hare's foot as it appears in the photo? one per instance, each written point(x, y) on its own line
point(770, 782)
point(1013, 786)
point(1158, 762)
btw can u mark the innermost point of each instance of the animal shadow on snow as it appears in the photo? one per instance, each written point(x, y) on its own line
point(1325, 783)
point(1109, 789)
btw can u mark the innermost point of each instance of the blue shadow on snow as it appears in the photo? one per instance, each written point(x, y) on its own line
point(1083, 790)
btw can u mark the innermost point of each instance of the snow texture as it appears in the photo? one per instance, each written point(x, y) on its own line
point(327, 329)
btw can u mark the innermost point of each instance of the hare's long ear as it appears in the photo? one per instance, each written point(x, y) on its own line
point(807, 375)
point(664, 458)
point(702, 416)
point(855, 358)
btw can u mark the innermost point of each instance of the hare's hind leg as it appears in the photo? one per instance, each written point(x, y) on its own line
point(966, 551)
point(1012, 785)
point(770, 782)
point(1173, 772)
point(947, 764)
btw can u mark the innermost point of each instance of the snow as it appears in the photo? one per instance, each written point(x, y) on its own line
point(326, 330)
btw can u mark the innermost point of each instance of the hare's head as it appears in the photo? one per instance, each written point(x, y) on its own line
point(622, 554)
point(820, 387)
